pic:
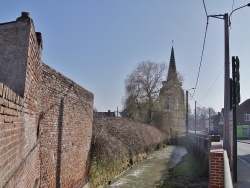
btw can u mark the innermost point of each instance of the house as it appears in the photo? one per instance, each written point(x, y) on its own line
point(104, 114)
point(243, 120)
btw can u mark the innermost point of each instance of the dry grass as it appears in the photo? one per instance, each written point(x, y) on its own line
point(117, 137)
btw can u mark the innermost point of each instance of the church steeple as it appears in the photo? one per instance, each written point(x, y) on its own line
point(172, 73)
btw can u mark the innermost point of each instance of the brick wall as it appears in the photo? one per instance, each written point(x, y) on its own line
point(66, 130)
point(216, 166)
point(11, 129)
point(20, 64)
point(19, 166)
point(14, 38)
point(45, 118)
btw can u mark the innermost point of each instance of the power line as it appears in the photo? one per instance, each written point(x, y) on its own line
point(201, 106)
point(203, 47)
point(232, 11)
point(195, 100)
point(214, 82)
point(233, 6)
point(205, 8)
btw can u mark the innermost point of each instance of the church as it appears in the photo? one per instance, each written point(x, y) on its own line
point(172, 103)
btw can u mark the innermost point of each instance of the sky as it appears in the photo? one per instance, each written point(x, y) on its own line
point(98, 43)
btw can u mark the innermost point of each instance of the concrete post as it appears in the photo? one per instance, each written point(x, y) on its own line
point(226, 89)
point(195, 118)
point(186, 112)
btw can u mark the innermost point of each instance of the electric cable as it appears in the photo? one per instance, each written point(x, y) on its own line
point(214, 82)
point(203, 47)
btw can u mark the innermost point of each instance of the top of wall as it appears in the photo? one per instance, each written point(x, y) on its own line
point(14, 39)
point(82, 93)
point(20, 51)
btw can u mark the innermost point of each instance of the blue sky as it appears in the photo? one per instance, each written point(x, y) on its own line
point(98, 43)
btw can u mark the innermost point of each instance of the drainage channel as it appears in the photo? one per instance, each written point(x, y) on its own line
point(151, 170)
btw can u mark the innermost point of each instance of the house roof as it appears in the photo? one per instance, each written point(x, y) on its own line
point(244, 107)
point(104, 114)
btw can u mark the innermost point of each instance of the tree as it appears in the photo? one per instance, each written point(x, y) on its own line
point(142, 88)
point(202, 112)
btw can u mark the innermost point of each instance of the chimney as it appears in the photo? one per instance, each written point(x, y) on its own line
point(39, 39)
point(24, 17)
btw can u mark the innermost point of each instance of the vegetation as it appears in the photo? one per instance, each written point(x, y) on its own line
point(202, 113)
point(188, 173)
point(150, 98)
point(117, 144)
point(188, 166)
point(142, 90)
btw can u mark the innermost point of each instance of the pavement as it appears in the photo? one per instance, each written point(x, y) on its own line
point(243, 170)
point(244, 141)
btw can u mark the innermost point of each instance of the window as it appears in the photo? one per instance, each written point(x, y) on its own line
point(247, 117)
point(245, 132)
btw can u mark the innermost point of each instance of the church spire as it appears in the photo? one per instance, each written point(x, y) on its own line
point(172, 73)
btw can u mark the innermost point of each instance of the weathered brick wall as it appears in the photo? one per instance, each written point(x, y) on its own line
point(45, 118)
point(14, 38)
point(32, 92)
point(216, 166)
point(66, 129)
point(11, 133)
point(21, 65)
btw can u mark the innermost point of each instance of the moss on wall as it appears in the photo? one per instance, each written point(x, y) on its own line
point(117, 144)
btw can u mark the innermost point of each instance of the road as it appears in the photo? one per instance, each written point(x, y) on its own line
point(244, 151)
point(243, 166)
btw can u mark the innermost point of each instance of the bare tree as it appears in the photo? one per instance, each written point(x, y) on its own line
point(142, 90)
point(202, 112)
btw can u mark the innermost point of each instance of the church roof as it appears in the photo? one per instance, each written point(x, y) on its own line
point(172, 73)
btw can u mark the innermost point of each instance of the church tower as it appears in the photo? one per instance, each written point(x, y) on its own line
point(172, 105)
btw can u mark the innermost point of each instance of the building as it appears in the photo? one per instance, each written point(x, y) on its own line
point(172, 104)
point(104, 114)
point(243, 120)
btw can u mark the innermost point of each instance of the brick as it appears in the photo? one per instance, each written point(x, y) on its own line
point(1, 109)
point(44, 91)
point(1, 118)
point(1, 89)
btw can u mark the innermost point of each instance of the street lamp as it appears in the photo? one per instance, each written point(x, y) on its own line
point(247, 5)
point(187, 110)
point(227, 89)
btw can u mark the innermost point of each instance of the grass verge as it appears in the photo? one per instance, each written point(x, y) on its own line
point(188, 166)
point(188, 173)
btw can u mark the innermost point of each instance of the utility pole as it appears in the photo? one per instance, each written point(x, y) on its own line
point(195, 118)
point(226, 82)
point(209, 120)
point(226, 88)
point(226, 138)
point(235, 102)
point(186, 112)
